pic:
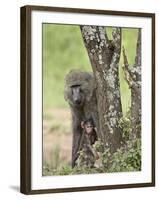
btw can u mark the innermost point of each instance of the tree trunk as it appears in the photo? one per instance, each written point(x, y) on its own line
point(133, 77)
point(104, 55)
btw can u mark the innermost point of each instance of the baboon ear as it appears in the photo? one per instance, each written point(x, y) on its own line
point(82, 124)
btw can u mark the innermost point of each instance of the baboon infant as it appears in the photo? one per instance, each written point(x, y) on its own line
point(80, 92)
point(89, 137)
point(89, 131)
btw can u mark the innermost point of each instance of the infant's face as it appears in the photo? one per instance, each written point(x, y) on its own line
point(89, 129)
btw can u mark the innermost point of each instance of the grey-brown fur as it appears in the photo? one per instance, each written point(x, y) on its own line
point(87, 108)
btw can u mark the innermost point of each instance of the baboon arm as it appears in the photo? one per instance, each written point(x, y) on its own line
point(81, 142)
point(77, 133)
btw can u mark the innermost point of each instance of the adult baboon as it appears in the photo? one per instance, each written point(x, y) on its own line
point(80, 92)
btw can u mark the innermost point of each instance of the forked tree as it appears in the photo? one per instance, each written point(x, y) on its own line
point(104, 55)
point(133, 78)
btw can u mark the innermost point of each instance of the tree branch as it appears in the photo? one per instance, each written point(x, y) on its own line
point(126, 69)
point(106, 36)
point(138, 50)
point(97, 43)
point(116, 33)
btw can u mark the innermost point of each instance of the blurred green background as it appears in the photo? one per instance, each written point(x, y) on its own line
point(63, 50)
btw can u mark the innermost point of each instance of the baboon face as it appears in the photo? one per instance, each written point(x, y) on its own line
point(79, 88)
point(77, 95)
point(88, 128)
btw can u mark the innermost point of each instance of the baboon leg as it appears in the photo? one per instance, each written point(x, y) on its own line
point(75, 147)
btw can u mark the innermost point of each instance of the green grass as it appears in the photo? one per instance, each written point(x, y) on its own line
point(63, 50)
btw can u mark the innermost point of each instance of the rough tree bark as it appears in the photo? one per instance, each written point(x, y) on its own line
point(133, 77)
point(104, 55)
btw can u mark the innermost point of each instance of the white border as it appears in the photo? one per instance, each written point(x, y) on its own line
point(39, 182)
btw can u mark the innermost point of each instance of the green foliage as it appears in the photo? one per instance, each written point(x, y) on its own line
point(125, 125)
point(128, 156)
point(65, 170)
point(99, 146)
point(126, 159)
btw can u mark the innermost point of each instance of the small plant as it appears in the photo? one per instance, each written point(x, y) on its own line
point(99, 146)
point(127, 158)
point(55, 157)
point(125, 125)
